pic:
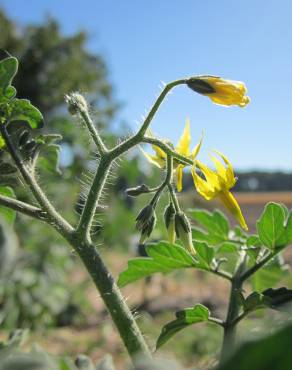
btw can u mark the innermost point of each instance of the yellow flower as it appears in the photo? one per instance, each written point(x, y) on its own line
point(217, 184)
point(219, 90)
point(182, 148)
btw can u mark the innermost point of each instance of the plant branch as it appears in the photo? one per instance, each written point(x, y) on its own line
point(167, 180)
point(217, 321)
point(233, 310)
point(22, 207)
point(112, 297)
point(173, 198)
point(93, 132)
point(52, 216)
point(138, 137)
point(222, 274)
point(257, 266)
point(167, 149)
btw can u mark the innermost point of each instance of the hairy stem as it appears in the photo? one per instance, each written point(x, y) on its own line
point(22, 207)
point(233, 311)
point(92, 200)
point(93, 132)
point(112, 297)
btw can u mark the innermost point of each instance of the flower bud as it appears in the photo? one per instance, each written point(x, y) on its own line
point(138, 190)
point(169, 220)
point(76, 103)
point(147, 229)
point(184, 232)
point(200, 86)
point(144, 217)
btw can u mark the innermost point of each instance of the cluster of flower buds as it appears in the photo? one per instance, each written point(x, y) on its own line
point(178, 225)
point(145, 222)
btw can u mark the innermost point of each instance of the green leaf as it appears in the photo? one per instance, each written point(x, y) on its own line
point(215, 224)
point(270, 353)
point(269, 275)
point(49, 152)
point(202, 236)
point(7, 213)
point(8, 69)
point(255, 301)
point(279, 298)
point(228, 247)
point(271, 226)
point(184, 318)
point(289, 228)
point(163, 257)
point(49, 158)
point(205, 254)
point(23, 110)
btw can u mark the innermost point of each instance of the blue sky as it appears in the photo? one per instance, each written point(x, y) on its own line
point(146, 42)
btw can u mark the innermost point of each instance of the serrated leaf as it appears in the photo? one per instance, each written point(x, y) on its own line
point(23, 110)
point(271, 226)
point(7, 213)
point(205, 254)
point(187, 317)
point(163, 257)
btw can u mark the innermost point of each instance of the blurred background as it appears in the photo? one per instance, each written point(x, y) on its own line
point(119, 54)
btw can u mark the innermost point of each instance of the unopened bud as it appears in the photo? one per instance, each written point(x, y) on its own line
point(138, 190)
point(200, 86)
point(76, 103)
point(184, 232)
point(144, 217)
point(147, 229)
point(169, 220)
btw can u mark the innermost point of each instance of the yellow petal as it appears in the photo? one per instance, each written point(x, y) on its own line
point(233, 207)
point(224, 92)
point(210, 176)
point(202, 187)
point(183, 146)
point(229, 173)
point(152, 158)
point(197, 148)
point(179, 177)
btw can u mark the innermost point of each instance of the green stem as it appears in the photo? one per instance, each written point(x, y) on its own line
point(230, 326)
point(167, 149)
point(257, 266)
point(174, 198)
point(93, 132)
point(112, 297)
point(94, 195)
point(21, 207)
point(166, 182)
point(139, 136)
